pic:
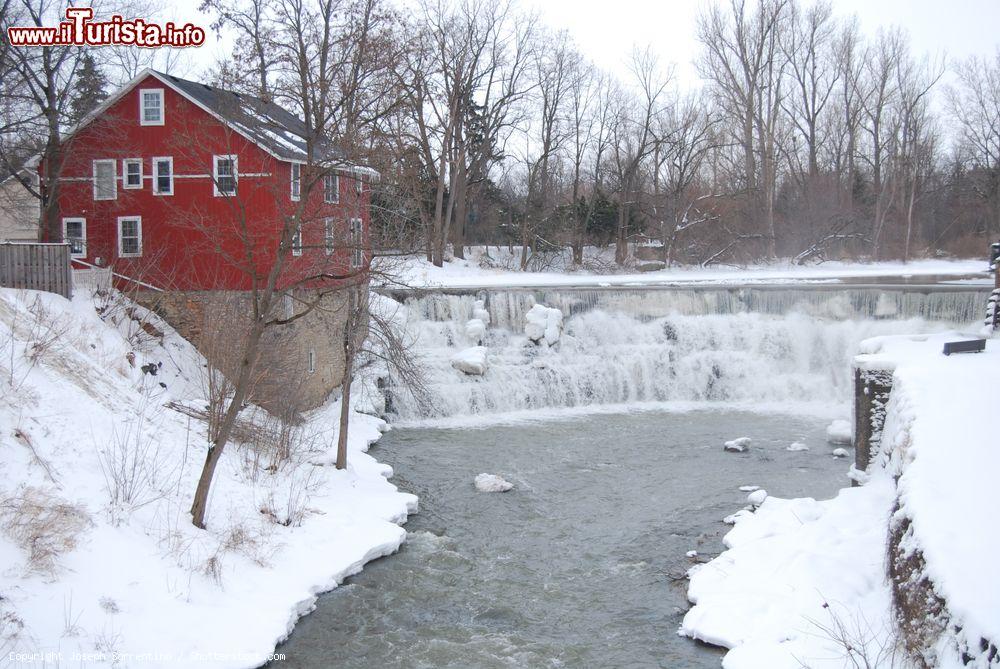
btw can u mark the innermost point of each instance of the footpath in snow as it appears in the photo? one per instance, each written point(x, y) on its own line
point(100, 561)
point(804, 583)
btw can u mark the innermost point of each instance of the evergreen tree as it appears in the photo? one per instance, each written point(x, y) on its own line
point(89, 89)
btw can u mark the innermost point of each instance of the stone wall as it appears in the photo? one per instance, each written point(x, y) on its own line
point(215, 320)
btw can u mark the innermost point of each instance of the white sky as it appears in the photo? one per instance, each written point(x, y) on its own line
point(607, 32)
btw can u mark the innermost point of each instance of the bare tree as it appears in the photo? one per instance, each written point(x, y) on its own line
point(974, 103)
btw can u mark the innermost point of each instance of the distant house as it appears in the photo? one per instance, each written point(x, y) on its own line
point(19, 209)
point(182, 190)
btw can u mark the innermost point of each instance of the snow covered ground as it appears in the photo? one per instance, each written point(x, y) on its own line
point(803, 583)
point(479, 272)
point(100, 563)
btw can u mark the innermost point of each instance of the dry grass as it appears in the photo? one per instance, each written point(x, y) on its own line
point(44, 526)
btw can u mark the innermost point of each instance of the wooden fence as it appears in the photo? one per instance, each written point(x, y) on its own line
point(36, 267)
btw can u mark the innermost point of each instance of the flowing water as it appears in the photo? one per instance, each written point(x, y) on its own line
point(581, 565)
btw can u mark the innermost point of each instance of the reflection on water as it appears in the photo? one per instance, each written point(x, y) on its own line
point(579, 565)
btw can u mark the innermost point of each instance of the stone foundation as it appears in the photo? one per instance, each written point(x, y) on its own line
point(300, 364)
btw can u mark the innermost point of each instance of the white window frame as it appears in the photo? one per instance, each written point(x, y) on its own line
point(121, 252)
point(328, 237)
point(83, 229)
point(125, 163)
point(333, 198)
point(142, 106)
point(295, 181)
point(311, 361)
point(215, 174)
point(297, 241)
point(156, 174)
point(114, 178)
point(357, 243)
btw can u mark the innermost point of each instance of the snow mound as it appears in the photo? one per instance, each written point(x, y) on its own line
point(840, 453)
point(475, 330)
point(757, 497)
point(797, 446)
point(492, 483)
point(543, 322)
point(691, 554)
point(471, 361)
point(739, 445)
point(479, 312)
point(840, 432)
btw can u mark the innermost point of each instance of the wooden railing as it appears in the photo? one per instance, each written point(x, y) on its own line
point(36, 267)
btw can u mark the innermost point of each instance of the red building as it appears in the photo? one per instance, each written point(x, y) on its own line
point(187, 187)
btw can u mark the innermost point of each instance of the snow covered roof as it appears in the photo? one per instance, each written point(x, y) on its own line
point(279, 132)
point(269, 125)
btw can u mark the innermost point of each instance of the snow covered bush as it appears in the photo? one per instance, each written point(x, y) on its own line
point(43, 525)
point(135, 472)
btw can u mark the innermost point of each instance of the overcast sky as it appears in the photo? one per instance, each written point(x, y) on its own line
point(607, 32)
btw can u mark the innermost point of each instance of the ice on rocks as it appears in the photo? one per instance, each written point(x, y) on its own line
point(757, 497)
point(692, 554)
point(492, 483)
point(474, 361)
point(858, 475)
point(840, 453)
point(543, 323)
point(479, 312)
point(749, 488)
point(840, 432)
point(739, 445)
point(475, 330)
point(797, 446)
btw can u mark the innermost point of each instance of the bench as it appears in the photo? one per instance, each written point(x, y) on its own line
point(967, 346)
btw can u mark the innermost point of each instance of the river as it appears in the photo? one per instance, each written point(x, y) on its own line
point(582, 564)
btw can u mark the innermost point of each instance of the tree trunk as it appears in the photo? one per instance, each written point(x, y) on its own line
point(241, 389)
point(461, 212)
point(345, 414)
point(351, 326)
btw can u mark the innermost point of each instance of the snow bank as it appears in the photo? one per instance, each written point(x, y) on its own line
point(793, 567)
point(840, 432)
point(480, 272)
point(738, 445)
point(798, 570)
point(472, 360)
point(543, 322)
point(492, 483)
point(134, 576)
point(940, 436)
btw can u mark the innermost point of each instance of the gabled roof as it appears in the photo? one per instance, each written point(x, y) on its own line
point(271, 127)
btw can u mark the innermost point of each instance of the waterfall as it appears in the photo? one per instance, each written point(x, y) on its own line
point(626, 346)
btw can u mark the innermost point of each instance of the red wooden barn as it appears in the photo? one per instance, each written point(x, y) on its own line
point(171, 182)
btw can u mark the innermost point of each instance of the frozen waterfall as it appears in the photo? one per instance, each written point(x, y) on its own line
point(625, 346)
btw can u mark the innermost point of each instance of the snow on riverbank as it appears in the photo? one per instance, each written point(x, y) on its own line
point(470, 273)
point(940, 437)
point(91, 577)
point(803, 580)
